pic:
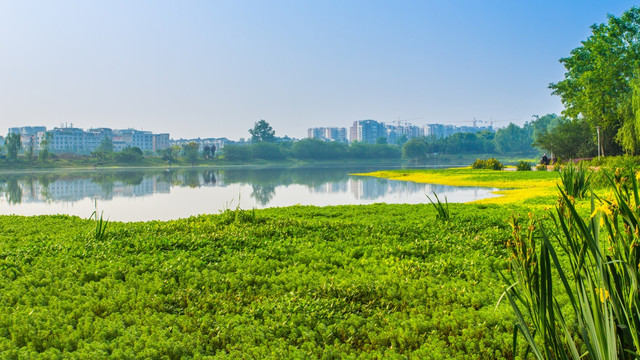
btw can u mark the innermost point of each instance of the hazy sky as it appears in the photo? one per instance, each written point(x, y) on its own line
point(213, 68)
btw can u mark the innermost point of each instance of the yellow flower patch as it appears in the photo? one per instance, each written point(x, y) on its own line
point(514, 186)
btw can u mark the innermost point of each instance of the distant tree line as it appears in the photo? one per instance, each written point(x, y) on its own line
point(565, 138)
point(512, 140)
point(310, 149)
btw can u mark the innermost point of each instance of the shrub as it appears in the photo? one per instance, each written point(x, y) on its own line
point(493, 164)
point(523, 166)
point(541, 167)
point(479, 164)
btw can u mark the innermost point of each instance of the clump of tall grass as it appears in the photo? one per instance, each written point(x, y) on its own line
point(596, 264)
point(442, 210)
point(575, 180)
point(238, 215)
point(100, 229)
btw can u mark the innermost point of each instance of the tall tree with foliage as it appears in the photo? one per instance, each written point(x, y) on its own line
point(190, 151)
point(45, 143)
point(12, 144)
point(262, 132)
point(598, 84)
point(104, 150)
point(415, 149)
point(513, 140)
point(570, 139)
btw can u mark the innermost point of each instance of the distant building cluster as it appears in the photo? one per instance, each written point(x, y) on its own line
point(328, 134)
point(371, 132)
point(67, 139)
point(219, 143)
point(78, 141)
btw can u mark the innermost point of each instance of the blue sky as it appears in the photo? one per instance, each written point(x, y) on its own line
point(214, 68)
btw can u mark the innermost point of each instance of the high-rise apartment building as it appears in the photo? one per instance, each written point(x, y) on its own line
point(367, 131)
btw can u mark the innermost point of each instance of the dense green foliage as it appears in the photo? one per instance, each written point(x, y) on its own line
point(380, 281)
point(512, 140)
point(415, 149)
point(262, 132)
point(309, 149)
point(129, 154)
point(569, 139)
point(600, 84)
point(12, 145)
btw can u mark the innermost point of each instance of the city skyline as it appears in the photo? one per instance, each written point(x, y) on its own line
point(216, 68)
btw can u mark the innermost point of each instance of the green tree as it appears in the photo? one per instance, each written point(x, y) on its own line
point(598, 81)
point(262, 132)
point(513, 140)
point(190, 151)
point(206, 152)
point(12, 144)
point(570, 139)
point(104, 150)
point(629, 134)
point(415, 149)
point(30, 149)
point(402, 139)
point(45, 143)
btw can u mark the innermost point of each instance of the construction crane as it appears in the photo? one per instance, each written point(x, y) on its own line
point(491, 121)
point(406, 121)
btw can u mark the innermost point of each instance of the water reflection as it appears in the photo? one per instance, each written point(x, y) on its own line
point(208, 190)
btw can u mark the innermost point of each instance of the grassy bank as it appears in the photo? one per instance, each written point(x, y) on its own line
point(381, 281)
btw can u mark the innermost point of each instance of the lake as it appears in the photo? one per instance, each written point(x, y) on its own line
point(165, 194)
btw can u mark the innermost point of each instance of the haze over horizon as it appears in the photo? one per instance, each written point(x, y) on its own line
point(214, 68)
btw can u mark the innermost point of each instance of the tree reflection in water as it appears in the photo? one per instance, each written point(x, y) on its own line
point(14, 192)
point(263, 193)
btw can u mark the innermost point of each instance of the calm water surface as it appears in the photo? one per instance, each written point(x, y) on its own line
point(164, 194)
